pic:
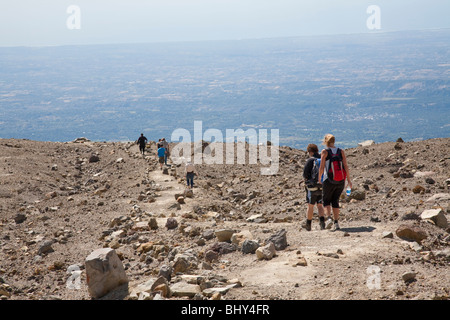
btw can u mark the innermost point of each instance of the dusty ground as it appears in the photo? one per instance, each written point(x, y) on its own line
point(51, 191)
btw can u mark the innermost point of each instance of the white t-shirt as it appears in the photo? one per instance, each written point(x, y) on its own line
point(190, 167)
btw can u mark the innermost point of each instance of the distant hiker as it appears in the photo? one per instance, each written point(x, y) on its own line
point(190, 172)
point(161, 152)
point(165, 145)
point(142, 141)
point(312, 187)
point(333, 166)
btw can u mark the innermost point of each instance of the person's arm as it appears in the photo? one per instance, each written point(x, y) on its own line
point(323, 158)
point(347, 171)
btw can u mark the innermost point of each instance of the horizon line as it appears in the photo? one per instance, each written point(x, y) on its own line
point(373, 32)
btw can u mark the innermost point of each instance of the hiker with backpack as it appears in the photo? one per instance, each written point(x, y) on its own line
point(312, 187)
point(161, 154)
point(334, 168)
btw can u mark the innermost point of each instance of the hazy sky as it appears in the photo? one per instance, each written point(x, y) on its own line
point(44, 22)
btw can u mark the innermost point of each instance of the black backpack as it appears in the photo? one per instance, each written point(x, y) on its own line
point(312, 184)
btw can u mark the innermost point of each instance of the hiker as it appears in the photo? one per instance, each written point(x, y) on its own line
point(161, 152)
point(312, 187)
point(142, 141)
point(190, 172)
point(165, 145)
point(333, 166)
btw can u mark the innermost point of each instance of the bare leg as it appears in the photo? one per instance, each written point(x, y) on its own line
point(310, 211)
point(320, 209)
point(336, 213)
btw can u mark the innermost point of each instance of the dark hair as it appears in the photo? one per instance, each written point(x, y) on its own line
point(312, 148)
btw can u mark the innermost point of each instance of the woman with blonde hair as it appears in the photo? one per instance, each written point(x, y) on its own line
point(334, 168)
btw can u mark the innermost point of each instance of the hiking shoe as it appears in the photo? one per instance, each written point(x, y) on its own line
point(336, 226)
point(306, 226)
point(322, 225)
point(329, 223)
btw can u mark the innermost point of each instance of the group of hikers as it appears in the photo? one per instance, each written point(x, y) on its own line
point(324, 176)
point(163, 153)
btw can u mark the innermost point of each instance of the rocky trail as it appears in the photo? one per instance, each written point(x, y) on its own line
point(236, 236)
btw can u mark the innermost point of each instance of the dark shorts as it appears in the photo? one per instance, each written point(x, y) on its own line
point(313, 197)
point(331, 193)
point(161, 159)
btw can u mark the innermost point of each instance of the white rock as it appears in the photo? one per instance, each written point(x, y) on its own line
point(366, 143)
point(421, 174)
point(104, 272)
point(439, 197)
point(183, 289)
point(435, 215)
point(267, 252)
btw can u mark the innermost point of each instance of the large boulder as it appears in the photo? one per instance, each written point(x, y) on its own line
point(279, 240)
point(104, 272)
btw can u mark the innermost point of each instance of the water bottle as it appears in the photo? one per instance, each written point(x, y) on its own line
point(349, 190)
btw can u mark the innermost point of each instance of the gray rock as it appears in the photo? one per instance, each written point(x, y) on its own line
point(279, 240)
point(104, 272)
point(45, 247)
point(20, 217)
point(94, 158)
point(171, 223)
point(223, 247)
point(166, 272)
point(249, 246)
point(208, 234)
point(409, 276)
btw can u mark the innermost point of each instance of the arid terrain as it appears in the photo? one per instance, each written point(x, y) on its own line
point(61, 201)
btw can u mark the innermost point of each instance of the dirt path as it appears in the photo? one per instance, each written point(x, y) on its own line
point(351, 263)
